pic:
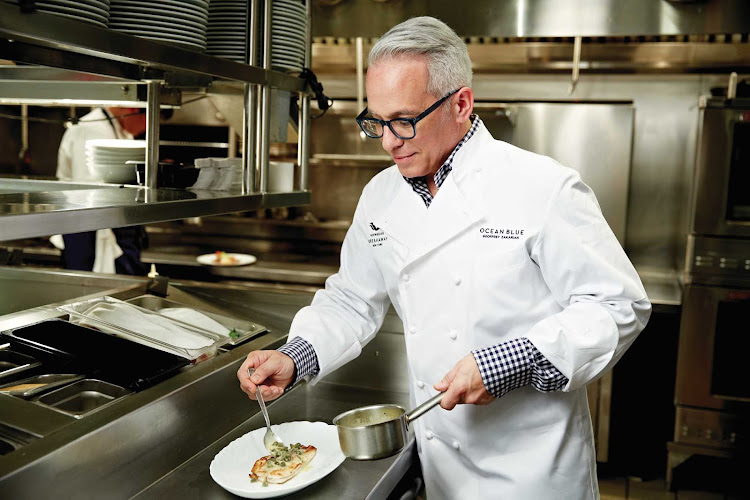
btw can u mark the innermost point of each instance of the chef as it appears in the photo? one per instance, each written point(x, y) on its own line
point(513, 291)
point(115, 250)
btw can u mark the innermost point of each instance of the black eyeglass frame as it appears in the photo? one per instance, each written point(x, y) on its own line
point(361, 118)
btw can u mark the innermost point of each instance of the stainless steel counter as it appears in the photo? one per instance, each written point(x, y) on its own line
point(162, 439)
point(353, 479)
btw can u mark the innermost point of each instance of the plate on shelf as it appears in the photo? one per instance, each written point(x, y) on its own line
point(235, 259)
point(231, 467)
point(161, 10)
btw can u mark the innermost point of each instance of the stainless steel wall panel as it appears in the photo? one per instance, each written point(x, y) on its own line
point(594, 139)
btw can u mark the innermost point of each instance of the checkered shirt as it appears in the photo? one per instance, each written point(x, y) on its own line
point(419, 184)
point(304, 357)
point(514, 364)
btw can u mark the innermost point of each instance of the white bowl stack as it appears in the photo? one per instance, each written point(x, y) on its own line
point(94, 12)
point(227, 29)
point(107, 159)
point(288, 35)
point(179, 22)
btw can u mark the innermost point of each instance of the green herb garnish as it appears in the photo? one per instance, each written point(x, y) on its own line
point(233, 334)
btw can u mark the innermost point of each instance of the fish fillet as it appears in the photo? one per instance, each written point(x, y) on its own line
point(282, 464)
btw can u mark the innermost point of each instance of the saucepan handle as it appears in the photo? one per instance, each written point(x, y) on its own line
point(424, 407)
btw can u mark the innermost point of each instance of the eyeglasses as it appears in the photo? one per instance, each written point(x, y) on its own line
point(403, 128)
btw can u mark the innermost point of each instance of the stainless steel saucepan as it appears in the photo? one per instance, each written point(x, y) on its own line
point(377, 431)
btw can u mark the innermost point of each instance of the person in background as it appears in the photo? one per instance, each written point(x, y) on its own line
point(97, 250)
point(513, 291)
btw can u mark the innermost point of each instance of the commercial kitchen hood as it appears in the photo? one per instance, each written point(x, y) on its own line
point(537, 18)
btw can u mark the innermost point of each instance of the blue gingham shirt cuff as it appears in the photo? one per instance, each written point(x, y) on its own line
point(304, 357)
point(514, 364)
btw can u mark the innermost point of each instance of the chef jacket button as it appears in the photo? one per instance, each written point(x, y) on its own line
point(406, 278)
point(456, 445)
point(412, 329)
point(420, 384)
point(429, 434)
point(477, 170)
point(453, 334)
point(457, 280)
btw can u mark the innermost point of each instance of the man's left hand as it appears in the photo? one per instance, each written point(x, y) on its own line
point(463, 384)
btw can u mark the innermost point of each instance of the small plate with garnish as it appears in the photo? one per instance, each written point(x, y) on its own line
point(225, 259)
point(235, 468)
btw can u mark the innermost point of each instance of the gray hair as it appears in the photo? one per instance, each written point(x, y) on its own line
point(448, 63)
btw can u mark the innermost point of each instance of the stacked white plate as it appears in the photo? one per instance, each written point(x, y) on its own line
point(288, 35)
point(227, 29)
point(107, 159)
point(180, 22)
point(95, 12)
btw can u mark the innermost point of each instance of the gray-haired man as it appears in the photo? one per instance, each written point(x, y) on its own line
point(513, 291)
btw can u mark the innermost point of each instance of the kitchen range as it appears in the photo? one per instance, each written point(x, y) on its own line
point(712, 397)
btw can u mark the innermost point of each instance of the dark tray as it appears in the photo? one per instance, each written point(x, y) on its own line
point(97, 354)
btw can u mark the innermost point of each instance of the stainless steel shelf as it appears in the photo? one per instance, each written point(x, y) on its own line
point(55, 41)
point(30, 208)
point(122, 62)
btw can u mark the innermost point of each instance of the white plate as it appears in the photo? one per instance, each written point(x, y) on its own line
point(167, 19)
point(160, 10)
point(116, 144)
point(99, 9)
point(157, 30)
point(231, 467)
point(291, 25)
point(74, 13)
point(242, 260)
point(165, 4)
point(283, 9)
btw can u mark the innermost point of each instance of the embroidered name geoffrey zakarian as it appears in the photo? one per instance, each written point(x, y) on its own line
point(501, 233)
point(377, 237)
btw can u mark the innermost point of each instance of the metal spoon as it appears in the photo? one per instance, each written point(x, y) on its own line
point(270, 437)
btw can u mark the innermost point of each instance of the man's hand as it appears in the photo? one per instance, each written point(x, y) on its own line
point(463, 384)
point(273, 372)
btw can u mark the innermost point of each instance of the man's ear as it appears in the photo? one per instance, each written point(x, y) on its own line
point(464, 103)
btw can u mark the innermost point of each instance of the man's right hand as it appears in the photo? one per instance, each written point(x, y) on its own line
point(274, 371)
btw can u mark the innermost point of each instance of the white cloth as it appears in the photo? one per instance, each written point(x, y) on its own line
point(107, 250)
point(152, 326)
point(195, 318)
point(513, 245)
point(71, 155)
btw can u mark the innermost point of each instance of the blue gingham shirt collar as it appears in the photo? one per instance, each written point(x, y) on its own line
point(419, 184)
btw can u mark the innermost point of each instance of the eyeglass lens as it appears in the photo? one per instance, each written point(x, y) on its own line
point(404, 129)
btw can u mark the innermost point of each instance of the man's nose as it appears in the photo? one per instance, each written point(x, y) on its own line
point(389, 141)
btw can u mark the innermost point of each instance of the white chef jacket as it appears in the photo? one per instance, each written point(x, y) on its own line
point(71, 155)
point(513, 245)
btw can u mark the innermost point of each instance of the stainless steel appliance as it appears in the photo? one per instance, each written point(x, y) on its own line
point(721, 196)
point(712, 396)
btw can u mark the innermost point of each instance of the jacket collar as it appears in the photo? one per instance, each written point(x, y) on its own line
point(456, 207)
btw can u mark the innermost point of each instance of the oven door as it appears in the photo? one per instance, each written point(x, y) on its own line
point(721, 204)
point(711, 365)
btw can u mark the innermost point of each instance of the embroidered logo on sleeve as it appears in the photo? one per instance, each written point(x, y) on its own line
point(377, 236)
